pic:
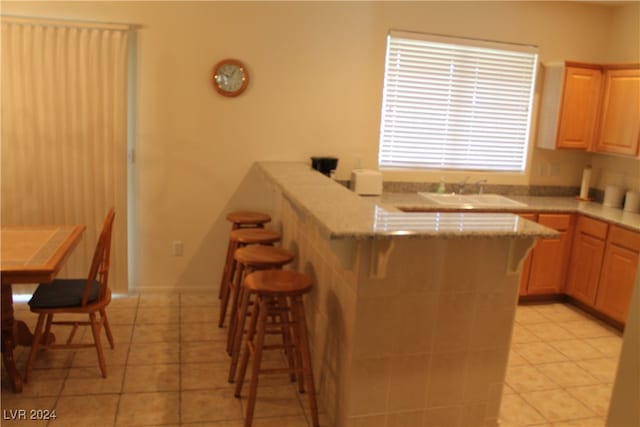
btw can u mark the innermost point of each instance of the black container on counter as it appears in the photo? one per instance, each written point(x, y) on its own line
point(324, 165)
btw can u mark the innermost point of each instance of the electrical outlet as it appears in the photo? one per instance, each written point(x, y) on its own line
point(542, 169)
point(177, 248)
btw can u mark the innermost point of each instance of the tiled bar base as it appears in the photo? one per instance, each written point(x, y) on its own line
point(429, 339)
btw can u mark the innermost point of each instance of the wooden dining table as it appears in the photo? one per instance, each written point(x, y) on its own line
point(29, 254)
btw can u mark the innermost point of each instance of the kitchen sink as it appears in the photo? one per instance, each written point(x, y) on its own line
point(470, 201)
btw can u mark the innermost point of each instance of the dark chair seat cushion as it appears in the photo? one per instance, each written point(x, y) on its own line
point(63, 293)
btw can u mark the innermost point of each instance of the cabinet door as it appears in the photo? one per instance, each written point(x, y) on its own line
point(551, 257)
point(620, 118)
point(579, 107)
point(616, 282)
point(586, 260)
point(618, 273)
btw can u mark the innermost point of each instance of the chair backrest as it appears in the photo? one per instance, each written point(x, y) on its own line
point(99, 270)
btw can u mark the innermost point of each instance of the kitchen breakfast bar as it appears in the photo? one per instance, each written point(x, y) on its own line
point(411, 315)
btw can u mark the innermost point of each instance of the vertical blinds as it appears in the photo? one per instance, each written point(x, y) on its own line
point(453, 103)
point(64, 131)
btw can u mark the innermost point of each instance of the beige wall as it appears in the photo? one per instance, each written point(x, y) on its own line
point(317, 72)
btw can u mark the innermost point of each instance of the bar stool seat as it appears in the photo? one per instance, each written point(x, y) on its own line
point(252, 236)
point(240, 238)
point(271, 288)
point(249, 259)
point(257, 257)
point(238, 220)
point(241, 219)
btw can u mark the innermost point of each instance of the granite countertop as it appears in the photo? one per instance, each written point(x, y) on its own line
point(531, 204)
point(342, 214)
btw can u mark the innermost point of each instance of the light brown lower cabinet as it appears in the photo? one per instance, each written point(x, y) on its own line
point(618, 273)
point(603, 266)
point(591, 261)
point(586, 259)
point(545, 269)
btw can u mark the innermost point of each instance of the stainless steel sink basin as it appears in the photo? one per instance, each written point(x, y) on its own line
point(470, 201)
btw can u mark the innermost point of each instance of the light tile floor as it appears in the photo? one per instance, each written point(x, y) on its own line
point(169, 368)
point(561, 368)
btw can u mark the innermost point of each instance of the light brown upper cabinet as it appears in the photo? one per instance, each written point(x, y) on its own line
point(620, 114)
point(591, 107)
point(568, 113)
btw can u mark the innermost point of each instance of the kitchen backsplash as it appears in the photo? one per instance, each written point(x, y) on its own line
point(470, 188)
point(595, 194)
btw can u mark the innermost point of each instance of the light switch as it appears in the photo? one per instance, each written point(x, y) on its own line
point(177, 248)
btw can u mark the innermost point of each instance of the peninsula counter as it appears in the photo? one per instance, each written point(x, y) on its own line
point(411, 315)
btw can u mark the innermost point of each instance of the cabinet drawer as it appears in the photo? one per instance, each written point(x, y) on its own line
point(625, 238)
point(558, 222)
point(592, 227)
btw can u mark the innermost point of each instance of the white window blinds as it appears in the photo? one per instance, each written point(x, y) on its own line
point(456, 103)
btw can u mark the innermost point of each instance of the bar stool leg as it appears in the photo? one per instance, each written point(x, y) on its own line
point(287, 340)
point(225, 269)
point(297, 309)
point(226, 286)
point(236, 349)
point(236, 289)
point(256, 361)
point(259, 317)
point(244, 358)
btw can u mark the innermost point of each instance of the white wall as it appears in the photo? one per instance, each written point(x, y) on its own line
point(316, 71)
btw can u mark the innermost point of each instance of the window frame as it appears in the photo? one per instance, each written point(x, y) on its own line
point(385, 160)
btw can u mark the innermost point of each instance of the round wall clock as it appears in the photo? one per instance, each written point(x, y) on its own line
point(230, 77)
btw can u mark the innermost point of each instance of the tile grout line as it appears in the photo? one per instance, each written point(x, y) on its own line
point(126, 362)
point(180, 369)
point(565, 388)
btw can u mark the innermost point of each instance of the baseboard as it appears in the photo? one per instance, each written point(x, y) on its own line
point(536, 299)
point(595, 313)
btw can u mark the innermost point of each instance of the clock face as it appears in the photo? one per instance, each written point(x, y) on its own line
point(230, 77)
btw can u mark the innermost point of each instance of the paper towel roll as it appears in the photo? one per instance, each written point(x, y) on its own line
point(613, 196)
point(584, 186)
point(632, 202)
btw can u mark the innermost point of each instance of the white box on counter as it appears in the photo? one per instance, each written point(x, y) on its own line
point(366, 182)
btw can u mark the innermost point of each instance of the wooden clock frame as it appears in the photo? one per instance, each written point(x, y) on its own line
point(245, 81)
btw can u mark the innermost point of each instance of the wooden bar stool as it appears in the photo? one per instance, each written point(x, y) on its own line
point(271, 287)
point(241, 219)
point(247, 260)
point(247, 219)
point(240, 238)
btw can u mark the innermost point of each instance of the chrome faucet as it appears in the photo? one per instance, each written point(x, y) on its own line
point(462, 184)
point(480, 185)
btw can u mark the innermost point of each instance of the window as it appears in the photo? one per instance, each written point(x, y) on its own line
point(453, 103)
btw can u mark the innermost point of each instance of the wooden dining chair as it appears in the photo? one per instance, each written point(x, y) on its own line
point(76, 296)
